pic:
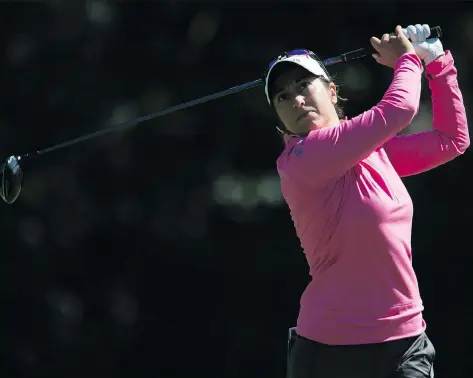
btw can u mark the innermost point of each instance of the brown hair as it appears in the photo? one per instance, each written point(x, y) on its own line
point(338, 106)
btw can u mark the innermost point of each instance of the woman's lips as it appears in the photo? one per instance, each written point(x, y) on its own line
point(303, 115)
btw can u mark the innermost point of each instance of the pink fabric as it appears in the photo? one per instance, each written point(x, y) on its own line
point(353, 214)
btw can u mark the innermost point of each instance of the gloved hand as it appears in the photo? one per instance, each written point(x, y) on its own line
point(426, 49)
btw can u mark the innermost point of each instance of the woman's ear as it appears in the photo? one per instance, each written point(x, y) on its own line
point(333, 92)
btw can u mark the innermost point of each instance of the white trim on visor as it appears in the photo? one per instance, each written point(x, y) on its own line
point(305, 61)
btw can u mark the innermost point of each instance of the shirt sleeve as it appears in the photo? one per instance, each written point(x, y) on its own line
point(328, 153)
point(417, 153)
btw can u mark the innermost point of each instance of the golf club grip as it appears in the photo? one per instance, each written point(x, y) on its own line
point(435, 32)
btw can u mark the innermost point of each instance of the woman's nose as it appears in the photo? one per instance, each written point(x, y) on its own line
point(298, 102)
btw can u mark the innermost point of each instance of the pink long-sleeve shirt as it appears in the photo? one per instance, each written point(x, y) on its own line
point(353, 214)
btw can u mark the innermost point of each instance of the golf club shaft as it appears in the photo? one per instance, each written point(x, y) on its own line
point(124, 125)
point(133, 122)
point(355, 54)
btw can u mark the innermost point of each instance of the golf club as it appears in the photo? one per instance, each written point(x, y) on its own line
point(12, 174)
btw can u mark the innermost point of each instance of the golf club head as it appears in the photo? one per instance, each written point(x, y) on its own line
point(11, 179)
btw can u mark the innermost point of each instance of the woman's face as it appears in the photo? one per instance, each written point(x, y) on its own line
point(304, 102)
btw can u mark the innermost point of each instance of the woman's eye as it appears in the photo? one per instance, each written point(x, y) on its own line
point(304, 85)
point(281, 97)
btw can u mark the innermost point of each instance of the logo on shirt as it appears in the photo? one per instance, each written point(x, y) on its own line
point(298, 147)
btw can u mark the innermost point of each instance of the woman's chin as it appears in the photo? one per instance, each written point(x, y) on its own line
point(310, 123)
point(306, 127)
point(319, 125)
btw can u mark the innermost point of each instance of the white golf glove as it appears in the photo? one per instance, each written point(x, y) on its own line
point(426, 49)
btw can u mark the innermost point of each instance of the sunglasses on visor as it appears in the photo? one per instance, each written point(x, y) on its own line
point(292, 53)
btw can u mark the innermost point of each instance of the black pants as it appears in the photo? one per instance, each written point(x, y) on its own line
point(407, 358)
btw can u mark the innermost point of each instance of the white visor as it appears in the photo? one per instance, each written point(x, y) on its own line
point(305, 61)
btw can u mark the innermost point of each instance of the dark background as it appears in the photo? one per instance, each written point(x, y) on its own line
point(166, 250)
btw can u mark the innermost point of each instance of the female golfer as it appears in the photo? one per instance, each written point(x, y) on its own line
point(361, 314)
